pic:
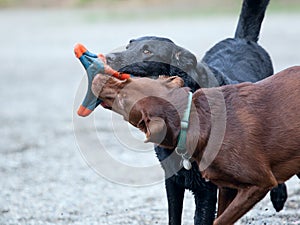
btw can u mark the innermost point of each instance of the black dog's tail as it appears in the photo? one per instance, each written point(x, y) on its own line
point(251, 17)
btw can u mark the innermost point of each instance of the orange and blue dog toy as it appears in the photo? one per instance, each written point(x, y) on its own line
point(93, 64)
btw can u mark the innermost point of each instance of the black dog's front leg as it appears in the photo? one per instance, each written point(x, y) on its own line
point(175, 195)
point(205, 200)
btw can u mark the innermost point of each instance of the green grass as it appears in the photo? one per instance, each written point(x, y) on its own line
point(110, 14)
point(281, 6)
point(152, 9)
point(4, 3)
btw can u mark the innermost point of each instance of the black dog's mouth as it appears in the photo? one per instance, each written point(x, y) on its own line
point(154, 69)
point(144, 69)
point(135, 70)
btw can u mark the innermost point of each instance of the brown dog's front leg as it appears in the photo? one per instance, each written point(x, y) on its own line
point(226, 196)
point(246, 198)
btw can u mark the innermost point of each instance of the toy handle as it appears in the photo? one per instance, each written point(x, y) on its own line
point(93, 64)
point(87, 57)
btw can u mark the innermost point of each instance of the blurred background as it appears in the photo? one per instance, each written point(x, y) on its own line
point(47, 177)
point(190, 5)
point(147, 8)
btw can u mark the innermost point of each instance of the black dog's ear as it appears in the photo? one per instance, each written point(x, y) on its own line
point(183, 59)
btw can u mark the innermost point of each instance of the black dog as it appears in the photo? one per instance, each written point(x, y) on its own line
point(232, 60)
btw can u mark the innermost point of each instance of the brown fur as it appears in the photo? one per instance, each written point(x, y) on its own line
point(260, 145)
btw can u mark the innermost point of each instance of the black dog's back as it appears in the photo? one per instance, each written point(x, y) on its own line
point(238, 60)
point(241, 59)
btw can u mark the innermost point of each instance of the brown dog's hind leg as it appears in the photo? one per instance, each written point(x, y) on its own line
point(246, 198)
point(226, 196)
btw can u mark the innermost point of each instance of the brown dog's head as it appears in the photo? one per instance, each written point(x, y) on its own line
point(153, 106)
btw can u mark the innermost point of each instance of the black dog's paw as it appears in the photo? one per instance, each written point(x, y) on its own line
point(279, 196)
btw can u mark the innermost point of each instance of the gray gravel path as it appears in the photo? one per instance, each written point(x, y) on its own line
point(97, 176)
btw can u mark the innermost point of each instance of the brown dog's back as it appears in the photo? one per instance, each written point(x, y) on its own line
point(282, 121)
point(263, 127)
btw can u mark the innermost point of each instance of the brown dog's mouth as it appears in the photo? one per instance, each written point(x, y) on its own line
point(106, 106)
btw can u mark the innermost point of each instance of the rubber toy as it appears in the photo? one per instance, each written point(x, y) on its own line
point(93, 64)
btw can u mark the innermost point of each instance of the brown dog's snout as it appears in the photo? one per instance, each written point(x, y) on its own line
point(103, 86)
point(97, 85)
point(106, 88)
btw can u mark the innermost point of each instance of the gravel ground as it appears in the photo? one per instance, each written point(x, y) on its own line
point(56, 168)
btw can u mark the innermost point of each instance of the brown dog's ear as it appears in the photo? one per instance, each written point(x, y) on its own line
point(154, 127)
point(156, 130)
point(174, 82)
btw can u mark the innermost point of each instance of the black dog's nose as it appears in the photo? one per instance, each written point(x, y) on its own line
point(111, 57)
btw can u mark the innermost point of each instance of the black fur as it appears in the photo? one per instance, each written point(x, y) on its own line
point(278, 196)
point(250, 20)
point(233, 60)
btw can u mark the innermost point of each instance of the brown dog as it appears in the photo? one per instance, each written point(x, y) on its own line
point(244, 137)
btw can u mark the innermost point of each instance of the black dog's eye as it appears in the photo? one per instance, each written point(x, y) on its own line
point(146, 50)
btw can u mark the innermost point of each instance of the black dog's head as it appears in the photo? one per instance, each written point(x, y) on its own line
point(153, 56)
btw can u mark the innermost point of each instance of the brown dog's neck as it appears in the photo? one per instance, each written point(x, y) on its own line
point(199, 121)
point(173, 113)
